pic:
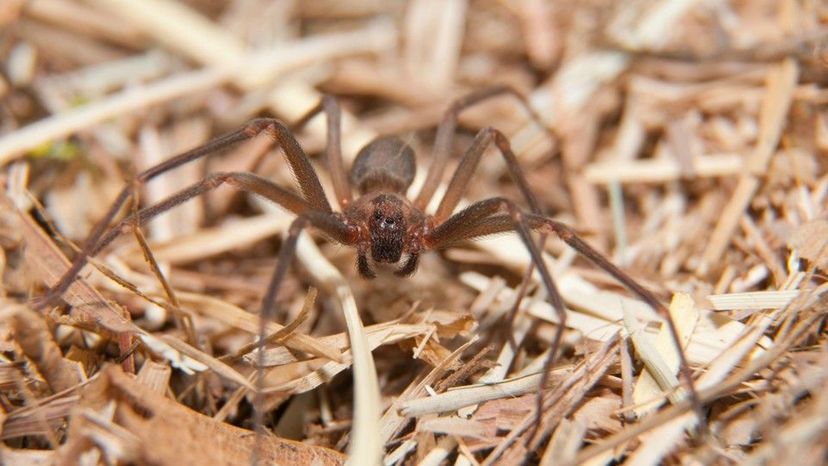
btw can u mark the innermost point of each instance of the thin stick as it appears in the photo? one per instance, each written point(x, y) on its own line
point(781, 85)
point(280, 59)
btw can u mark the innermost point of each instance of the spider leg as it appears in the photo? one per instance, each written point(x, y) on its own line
point(182, 320)
point(486, 217)
point(333, 226)
point(297, 159)
point(568, 235)
point(333, 150)
point(275, 129)
point(469, 163)
point(463, 174)
point(476, 219)
point(243, 181)
point(445, 135)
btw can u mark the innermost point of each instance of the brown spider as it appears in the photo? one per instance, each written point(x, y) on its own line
point(385, 227)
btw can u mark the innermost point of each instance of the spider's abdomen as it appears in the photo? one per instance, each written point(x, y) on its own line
point(386, 164)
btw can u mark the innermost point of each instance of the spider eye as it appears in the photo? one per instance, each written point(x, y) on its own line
point(377, 215)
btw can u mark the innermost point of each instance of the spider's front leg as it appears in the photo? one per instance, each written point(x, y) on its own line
point(309, 184)
point(332, 225)
point(498, 215)
point(487, 217)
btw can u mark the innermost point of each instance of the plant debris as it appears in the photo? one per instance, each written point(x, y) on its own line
point(689, 144)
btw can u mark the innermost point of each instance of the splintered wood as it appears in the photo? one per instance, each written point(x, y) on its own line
point(687, 141)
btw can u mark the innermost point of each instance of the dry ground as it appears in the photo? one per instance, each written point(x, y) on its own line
point(689, 145)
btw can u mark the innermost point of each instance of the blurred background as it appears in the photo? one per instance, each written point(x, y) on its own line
point(685, 139)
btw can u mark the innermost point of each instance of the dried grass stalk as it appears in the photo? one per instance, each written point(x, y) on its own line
point(689, 143)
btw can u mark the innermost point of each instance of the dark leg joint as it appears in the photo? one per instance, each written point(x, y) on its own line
point(269, 125)
point(256, 126)
point(297, 226)
point(215, 180)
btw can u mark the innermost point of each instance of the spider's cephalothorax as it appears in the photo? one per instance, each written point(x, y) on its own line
point(387, 226)
point(382, 172)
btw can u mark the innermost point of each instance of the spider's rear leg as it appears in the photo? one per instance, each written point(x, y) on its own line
point(447, 128)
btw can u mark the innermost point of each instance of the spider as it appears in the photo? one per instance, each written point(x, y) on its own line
point(386, 228)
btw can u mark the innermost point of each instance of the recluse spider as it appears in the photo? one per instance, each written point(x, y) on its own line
point(385, 227)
